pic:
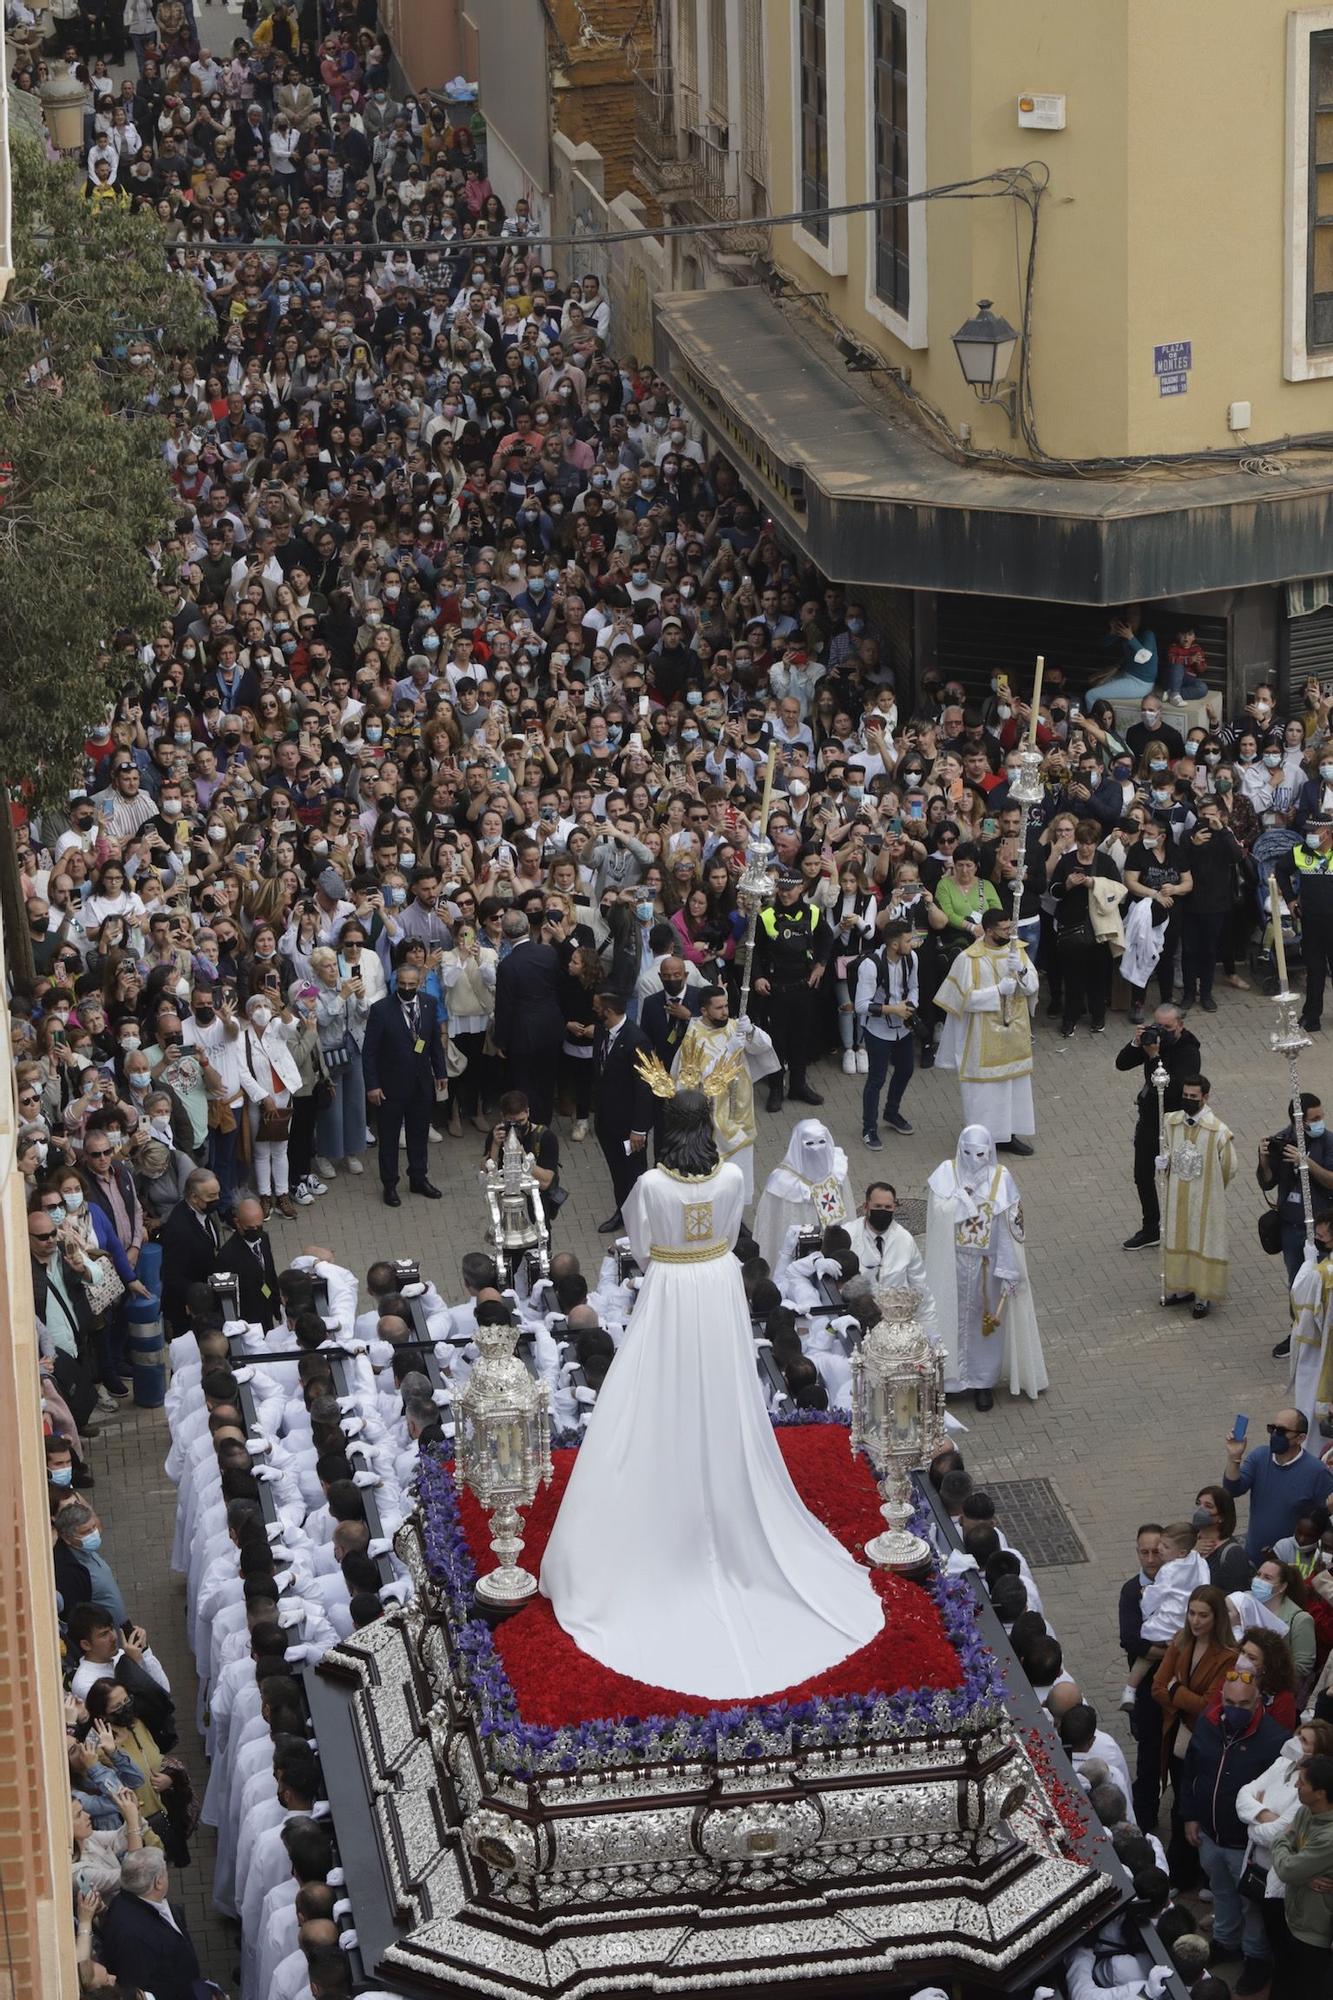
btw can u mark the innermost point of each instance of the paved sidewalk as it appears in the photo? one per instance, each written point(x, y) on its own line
point(1140, 1398)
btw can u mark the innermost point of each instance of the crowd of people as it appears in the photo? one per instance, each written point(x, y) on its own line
point(421, 813)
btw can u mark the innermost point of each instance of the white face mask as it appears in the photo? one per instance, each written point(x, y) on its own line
point(261, 1016)
point(1293, 1750)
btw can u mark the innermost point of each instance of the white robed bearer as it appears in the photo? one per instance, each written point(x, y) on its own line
point(810, 1190)
point(710, 1038)
point(1312, 1309)
point(987, 998)
point(978, 1274)
point(1197, 1161)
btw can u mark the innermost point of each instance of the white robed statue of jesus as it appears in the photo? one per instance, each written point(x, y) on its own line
point(682, 1554)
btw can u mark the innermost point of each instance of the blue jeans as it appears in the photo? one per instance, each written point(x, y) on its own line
point(1177, 681)
point(1236, 1920)
point(341, 1130)
point(884, 1056)
point(222, 1163)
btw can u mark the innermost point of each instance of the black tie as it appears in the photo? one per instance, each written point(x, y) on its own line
point(410, 1009)
point(879, 1248)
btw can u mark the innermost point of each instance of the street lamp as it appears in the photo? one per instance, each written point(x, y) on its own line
point(64, 100)
point(985, 347)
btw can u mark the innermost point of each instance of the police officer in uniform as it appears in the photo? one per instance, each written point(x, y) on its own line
point(792, 946)
point(1307, 880)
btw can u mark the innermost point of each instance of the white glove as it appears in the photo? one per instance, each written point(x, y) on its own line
point(1157, 1981)
point(1006, 986)
point(746, 1026)
point(1310, 1253)
point(1161, 1163)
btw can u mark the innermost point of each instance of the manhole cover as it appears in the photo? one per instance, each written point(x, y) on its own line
point(1035, 1520)
point(911, 1213)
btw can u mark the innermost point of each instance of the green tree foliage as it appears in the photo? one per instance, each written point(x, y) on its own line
point(87, 488)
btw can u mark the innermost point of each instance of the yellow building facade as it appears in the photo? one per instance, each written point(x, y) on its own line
point(1181, 143)
point(1139, 188)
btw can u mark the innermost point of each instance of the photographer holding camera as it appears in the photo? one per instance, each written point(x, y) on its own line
point(1165, 1037)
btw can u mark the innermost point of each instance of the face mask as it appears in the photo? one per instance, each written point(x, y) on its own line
point(1317, 1129)
point(129, 1042)
point(74, 1201)
point(1262, 708)
point(1233, 1715)
point(1159, 764)
point(1272, 758)
point(217, 833)
point(261, 1016)
point(92, 1542)
point(407, 860)
point(250, 1235)
point(57, 1214)
point(1261, 1590)
point(63, 1475)
point(1293, 1750)
point(140, 1079)
point(374, 733)
point(203, 1014)
point(879, 1219)
point(644, 912)
point(1279, 1441)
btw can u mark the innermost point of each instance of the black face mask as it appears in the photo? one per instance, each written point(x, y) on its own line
point(204, 1014)
point(673, 987)
point(879, 1219)
point(250, 1235)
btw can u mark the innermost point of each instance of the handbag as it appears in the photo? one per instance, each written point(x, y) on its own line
point(1076, 937)
point(455, 1062)
point(336, 1059)
point(1253, 1883)
point(1270, 1231)
point(105, 1291)
point(275, 1125)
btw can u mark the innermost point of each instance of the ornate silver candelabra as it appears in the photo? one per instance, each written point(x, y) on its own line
point(897, 1418)
point(517, 1218)
point(502, 1453)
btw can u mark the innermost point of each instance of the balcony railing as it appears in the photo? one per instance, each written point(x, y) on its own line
point(658, 140)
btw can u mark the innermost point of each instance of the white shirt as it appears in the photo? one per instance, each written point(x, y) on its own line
point(89, 1671)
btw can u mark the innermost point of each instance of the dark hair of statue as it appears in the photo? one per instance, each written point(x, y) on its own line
point(688, 1144)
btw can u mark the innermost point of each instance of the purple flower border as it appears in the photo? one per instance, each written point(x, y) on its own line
point(527, 1751)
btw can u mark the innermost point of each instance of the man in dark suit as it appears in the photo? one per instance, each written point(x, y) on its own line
point(144, 1940)
point(61, 1304)
point(529, 1019)
point(190, 1240)
point(622, 1101)
point(403, 1059)
point(248, 1252)
point(665, 1016)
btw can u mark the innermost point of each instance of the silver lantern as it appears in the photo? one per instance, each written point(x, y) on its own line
point(897, 1418)
point(502, 1452)
point(517, 1218)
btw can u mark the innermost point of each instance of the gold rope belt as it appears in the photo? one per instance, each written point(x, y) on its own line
point(661, 1255)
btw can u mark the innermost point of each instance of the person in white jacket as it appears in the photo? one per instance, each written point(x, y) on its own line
point(266, 1056)
point(1269, 1803)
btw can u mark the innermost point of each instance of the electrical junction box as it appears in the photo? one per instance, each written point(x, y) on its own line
point(1042, 111)
point(1238, 416)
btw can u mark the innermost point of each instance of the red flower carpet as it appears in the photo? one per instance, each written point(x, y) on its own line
point(556, 1685)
